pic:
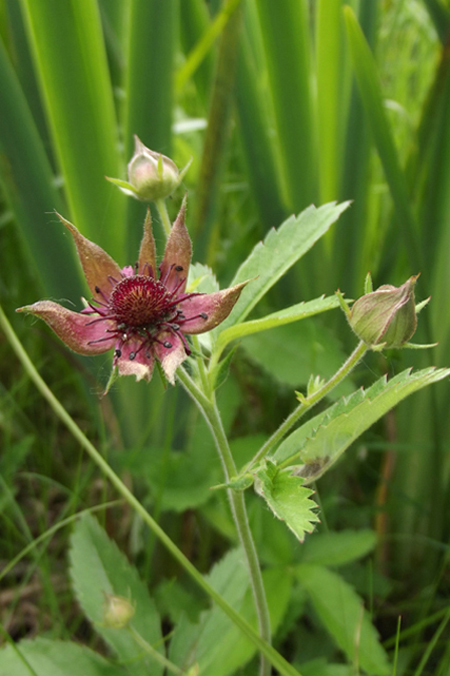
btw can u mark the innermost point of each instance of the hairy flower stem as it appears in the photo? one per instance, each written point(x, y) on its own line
point(209, 409)
point(307, 403)
point(273, 656)
point(164, 215)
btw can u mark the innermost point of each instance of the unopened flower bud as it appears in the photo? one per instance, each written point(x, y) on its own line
point(117, 611)
point(151, 176)
point(385, 317)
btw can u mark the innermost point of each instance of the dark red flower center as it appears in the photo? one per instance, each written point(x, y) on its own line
point(141, 302)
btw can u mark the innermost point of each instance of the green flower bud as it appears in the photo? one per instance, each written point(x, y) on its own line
point(117, 611)
point(385, 318)
point(151, 176)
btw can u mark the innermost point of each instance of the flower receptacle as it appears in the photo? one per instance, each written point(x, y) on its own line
point(385, 318)
point(117, 611)
point(151, 176)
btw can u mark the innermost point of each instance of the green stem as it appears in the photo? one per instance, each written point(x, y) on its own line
point(51, 531)
point(237, 501)
point(150, 650)
point(201, 366)
point(164, 215)
point(307, 403)
point(272, 655)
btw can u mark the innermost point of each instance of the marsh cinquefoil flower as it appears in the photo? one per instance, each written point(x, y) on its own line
point(141, 314)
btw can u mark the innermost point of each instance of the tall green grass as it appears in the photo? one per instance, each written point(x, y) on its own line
point(299, 102)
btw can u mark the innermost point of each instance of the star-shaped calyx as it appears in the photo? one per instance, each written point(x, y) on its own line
point(143, 312)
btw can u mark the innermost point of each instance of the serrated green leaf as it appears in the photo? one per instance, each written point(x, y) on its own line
point(54, 658)
point(288, 499)
point(201, 279)
point(342, 613)
point(287, 316)
point(98, 567)
point(337, 549)
point(320, 441)
point(281, 248)
point(215, 643)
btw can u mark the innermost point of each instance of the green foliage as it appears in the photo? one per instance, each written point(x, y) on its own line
point(326, 101)
point(291, 357)
point(342, 613)
point(337, 549)
point(323, 439)
point(183, 479)
point(366, 74)
point(53, 658)
point(291, 314)
point(288, 499)
point(280, 250)
point(214, 642)
point(70, 56)
point(99, 568)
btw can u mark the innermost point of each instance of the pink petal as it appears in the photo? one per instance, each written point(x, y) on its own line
point(177, 254)
point(147, 252)
point(98, 266)
point(140, 366)
point(216, 306)
point(170, 357)
point(78, 331)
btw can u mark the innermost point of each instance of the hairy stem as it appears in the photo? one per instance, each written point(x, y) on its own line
point(164, 215)
point(211, 413)
point(307, 403)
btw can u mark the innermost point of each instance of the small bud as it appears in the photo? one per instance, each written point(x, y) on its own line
point(151, 176)
point(117, 611)
point(385, 318)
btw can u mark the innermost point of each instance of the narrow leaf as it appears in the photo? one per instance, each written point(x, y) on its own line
point(440, 15)
point(70, 59)
point(27, 178)
point(205, 43)
point(256, 138)
point(148, 104)
point(372, 98)
point(329, 94)
point(320, 441)
point(291, 314)
point(288, 499)
point(281, 248)
point(194, 24)
point(342, 613)
point(286, 37)
point(98, 568)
